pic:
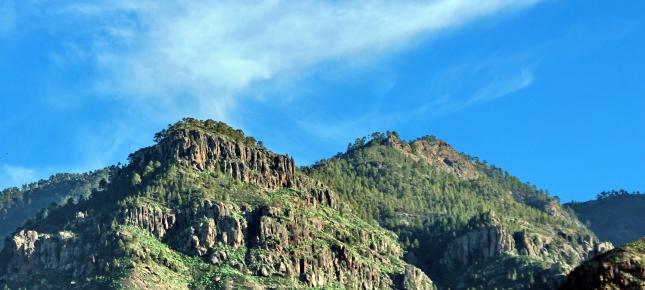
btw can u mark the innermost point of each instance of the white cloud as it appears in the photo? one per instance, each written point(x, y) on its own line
point(476, 81)
point(16, 175)
point(502, 87)
point(199, 56)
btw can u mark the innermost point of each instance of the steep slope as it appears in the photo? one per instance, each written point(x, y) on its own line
point(620, 268)
point(466, 224)
point(20, 204)
point(206, 208)
point(616, 217)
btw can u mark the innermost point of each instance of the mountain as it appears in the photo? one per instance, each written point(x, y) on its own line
point(468, 225)
point(620, 268)
point(17, 205)
point(616, 216)
point(206, 207)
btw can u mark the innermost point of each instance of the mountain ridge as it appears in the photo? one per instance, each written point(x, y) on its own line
point(204, 210)
point(209, 207)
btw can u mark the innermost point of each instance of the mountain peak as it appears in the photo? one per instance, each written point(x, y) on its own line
point(433, 151)
point(212, 145)
point(208, 126)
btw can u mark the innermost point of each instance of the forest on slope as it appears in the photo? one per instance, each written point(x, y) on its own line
point(467, 224)
point(20, 204)
point(617, 216)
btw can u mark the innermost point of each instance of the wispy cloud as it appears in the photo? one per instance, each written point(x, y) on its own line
point(502, 87)
point(16, 175)
point(478, 81)
point(456, 88)
point(200, 56)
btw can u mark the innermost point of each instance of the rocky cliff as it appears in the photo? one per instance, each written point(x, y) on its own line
point(206, 208)
point(621, 268)
point(248, 163)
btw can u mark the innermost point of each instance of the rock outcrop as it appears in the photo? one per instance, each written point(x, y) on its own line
point(32, 251)
point(487, 239)
point(436, 153)
point(204, 151)
point(278, 241)
point(621, 268)
point(413, 278)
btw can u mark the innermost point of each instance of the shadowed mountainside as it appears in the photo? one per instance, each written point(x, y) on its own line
point(615, 216)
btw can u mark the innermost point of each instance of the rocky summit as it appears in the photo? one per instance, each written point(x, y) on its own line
point(206, 208)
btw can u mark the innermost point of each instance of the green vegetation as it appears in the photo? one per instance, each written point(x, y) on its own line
point(616, 216)
point(19, 204)
point(163, 222)
point(211, 127)
point(247, 226)
point(428, 207)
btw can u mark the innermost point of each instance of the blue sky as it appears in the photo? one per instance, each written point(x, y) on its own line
point(552, 91)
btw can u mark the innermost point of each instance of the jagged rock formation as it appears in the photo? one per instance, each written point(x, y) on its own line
point(468, 225)
point(621, 268)
point(247, 163)
point(206, 207)
point(55, 251)
point(204, 151)
point(485, 240)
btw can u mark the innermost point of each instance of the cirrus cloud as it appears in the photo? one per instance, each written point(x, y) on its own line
point(200, 56)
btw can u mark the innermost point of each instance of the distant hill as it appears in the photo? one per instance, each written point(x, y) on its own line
point(620, 268)
point(616, 216)
point(19, 204)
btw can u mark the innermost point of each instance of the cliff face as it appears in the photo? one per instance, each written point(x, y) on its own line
point(487, 241)
point(621, 268)
point(278, 241)
point(203, 210)
point(203, 151)
point(250, 164)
